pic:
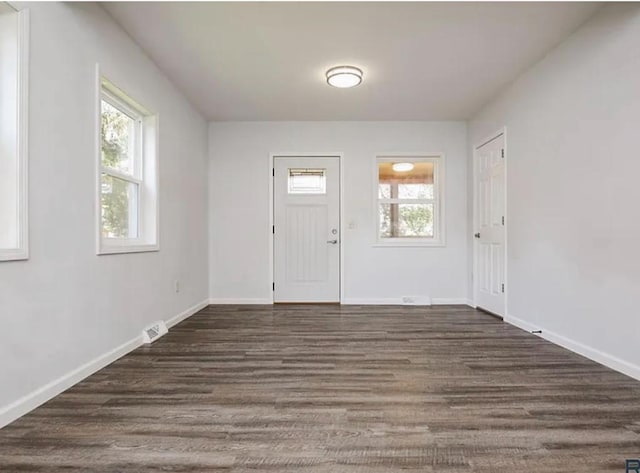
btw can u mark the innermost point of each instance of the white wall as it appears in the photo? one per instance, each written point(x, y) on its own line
point(239, 208)
point(573, 165)
point(66, 306)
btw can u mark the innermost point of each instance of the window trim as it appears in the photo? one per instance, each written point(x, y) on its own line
point(145, 173)
point(439, 221)
point(21, 251)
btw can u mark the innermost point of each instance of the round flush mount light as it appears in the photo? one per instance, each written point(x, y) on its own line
point(402, 167)
point(344, 77)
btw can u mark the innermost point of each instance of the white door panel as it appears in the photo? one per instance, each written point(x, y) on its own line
point(306, 229)
point(490, 236)
point(306, 254)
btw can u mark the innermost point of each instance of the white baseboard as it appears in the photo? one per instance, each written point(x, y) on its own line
point(347, 301)
point(594, 354)
point(175, 320)
point(451, 301)
point(41, 395)
point(256, 301)
point(27, 403)
point(398, 301)
point(355, 301)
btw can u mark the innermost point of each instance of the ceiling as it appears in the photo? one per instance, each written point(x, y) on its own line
point(421, 61)
point(6, 8)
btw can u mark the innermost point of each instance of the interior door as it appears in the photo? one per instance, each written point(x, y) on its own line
point(490, 235)
point(306, 229)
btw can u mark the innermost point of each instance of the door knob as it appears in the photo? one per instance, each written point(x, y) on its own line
point(477, 235)
point(333, 242)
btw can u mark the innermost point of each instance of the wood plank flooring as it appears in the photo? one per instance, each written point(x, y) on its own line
point(337, 389)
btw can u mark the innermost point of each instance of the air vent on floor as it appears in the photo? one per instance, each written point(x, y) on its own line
point(154, 331)
point(416, 300)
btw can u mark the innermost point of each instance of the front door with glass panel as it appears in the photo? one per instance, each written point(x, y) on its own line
point(306, 229)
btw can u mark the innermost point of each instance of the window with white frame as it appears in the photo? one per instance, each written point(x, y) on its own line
point(409, 207)
point(13, 133)
point(128, 174)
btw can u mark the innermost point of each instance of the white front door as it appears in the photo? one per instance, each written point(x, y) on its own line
point(306, 229)
point(490, 233)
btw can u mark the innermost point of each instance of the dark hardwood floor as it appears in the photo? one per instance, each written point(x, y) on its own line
point(337, 389)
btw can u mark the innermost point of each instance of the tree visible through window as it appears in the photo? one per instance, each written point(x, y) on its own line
point(120, 182)
point(407, 199)
point(127, 192)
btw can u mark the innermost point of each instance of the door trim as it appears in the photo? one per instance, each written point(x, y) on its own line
point(474, 273)
point(341, 234)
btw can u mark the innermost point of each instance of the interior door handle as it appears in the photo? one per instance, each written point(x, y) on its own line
point(333, 242)
point(477, 235)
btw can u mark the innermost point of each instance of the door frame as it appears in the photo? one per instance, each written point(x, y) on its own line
point(474, 275)
point(341, 233)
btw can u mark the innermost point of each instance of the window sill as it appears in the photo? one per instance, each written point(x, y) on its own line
point(120, 249)
point(14, 255)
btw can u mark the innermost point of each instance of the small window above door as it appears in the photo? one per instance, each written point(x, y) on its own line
point(307, 181)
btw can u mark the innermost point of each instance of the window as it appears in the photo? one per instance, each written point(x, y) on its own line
point(128, 178)
point(307, 181)
point(409, 210)
point(13, 133)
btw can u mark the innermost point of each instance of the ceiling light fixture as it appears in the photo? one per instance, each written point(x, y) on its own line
point(402, 167)
point(344, 76)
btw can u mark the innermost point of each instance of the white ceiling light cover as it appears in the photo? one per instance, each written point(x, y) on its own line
point(344, 77)
point(402, 167)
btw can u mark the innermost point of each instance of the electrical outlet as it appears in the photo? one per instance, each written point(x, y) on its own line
point(177, 285)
